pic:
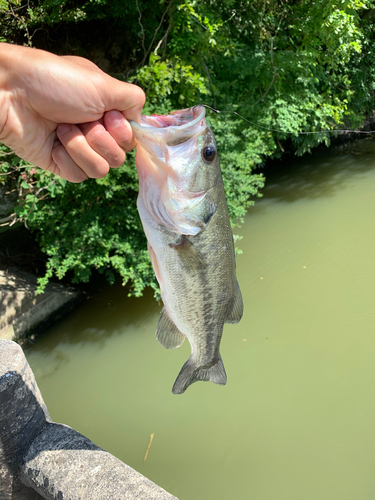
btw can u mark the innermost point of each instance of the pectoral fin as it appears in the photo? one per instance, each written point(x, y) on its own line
point(167, 333)
point(237, 310)
point(188, 253)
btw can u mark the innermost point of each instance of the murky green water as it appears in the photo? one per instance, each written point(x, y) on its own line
point(296, 420)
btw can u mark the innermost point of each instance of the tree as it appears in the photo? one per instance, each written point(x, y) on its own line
point(285, 67)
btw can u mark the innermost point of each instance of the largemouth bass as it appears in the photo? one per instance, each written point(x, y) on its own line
point(185, 217)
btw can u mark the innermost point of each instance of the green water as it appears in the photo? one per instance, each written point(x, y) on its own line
point(296, 420)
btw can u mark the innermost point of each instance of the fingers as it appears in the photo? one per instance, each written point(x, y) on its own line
point(125, 97)
point(119, 128)
point(91, 149)
point(86, 151)
point(103, 143)
point(115, 94)
point(135, 103)
point(64, 166)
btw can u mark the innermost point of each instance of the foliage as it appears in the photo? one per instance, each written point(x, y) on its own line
point(285, 67)
point(97, 227)
point(30, 184)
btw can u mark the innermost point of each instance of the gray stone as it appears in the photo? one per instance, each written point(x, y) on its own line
point(63, 464)
point(23, 415)
point(21, 308)
point(42, 459)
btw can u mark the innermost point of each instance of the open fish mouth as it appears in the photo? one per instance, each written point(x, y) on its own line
point(170, 130)
point(181, 118)
point(169, 164)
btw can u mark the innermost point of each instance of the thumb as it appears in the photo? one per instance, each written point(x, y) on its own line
point(115, 94)
point(125, 97)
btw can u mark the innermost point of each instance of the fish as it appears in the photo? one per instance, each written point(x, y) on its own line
point(183, 209)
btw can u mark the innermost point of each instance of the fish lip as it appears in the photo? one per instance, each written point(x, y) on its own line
point(136, 127)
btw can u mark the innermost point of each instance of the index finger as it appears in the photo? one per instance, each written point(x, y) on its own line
point(119, 128)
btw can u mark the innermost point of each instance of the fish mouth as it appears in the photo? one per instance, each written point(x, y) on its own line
point(169, 130)
point(161, 140)
point(182, 119)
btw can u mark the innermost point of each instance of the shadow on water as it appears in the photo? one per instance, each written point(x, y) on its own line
point(107, 313)
point(323, 174)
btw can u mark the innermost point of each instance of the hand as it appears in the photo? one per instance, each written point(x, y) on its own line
point(63, 114)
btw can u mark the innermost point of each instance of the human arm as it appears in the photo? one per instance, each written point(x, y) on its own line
point(63, 114)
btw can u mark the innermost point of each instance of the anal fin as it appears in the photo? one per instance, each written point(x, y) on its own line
point(167, 333)
point(236, 313)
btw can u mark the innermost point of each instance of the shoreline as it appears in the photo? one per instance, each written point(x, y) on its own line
point(23, 312)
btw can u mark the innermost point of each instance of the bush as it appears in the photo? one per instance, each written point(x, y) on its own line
point(286, 68)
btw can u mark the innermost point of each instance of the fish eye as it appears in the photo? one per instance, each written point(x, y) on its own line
point(209, 153)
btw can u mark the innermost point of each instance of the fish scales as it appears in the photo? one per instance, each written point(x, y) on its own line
point(184, 213)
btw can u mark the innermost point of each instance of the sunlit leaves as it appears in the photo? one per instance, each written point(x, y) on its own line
point(286, 67)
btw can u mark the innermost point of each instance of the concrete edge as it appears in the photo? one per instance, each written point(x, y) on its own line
point(25, 313)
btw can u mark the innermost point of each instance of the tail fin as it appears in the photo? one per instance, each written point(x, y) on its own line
point(191, 373)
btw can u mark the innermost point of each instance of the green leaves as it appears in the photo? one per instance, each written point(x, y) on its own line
point(169, 81)
point(94, 225)
point(4, 4)
point(286, 67)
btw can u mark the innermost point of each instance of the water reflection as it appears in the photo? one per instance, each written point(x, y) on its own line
point(55, 363)
point(295, 421)
point(108, 313)
point(325, 173)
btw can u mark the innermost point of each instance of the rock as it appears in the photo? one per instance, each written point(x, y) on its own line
point(42, 459)
point(63, 464)
point(23, 416)
point(21, 308)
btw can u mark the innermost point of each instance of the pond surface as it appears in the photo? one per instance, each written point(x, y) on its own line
point(296, 420)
